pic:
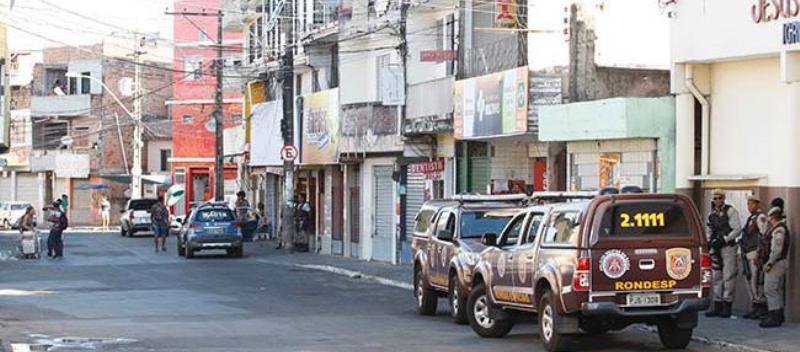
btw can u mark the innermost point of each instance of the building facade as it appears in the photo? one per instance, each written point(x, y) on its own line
point(737, 95)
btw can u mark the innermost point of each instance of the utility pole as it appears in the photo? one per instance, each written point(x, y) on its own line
point(136, 172)
point(287, 80)
point(219, 165)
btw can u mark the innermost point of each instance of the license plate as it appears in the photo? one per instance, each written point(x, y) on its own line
point(644, 299)
point(140, 220)
point(215, 230)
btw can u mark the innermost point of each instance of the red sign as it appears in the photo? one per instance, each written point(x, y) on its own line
point(289, 153)
point(437, 55)
point(428, 167)
point(764, 11)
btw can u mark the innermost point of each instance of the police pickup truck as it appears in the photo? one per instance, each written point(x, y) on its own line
point(594, 266)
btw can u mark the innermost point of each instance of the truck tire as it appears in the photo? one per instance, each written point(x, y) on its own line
point(181, 249)
point(478, 313)
point(457, 302)
point(425, 297)
point(189, 251)
point(552, 340)
point(672, 336)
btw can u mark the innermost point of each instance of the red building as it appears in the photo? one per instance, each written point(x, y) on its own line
point(193, 99)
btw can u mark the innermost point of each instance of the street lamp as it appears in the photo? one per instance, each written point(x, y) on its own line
point(136, 170)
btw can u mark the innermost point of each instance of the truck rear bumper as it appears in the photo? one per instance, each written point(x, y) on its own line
point(610, 309)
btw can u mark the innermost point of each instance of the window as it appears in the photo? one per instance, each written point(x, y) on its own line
point(82, 129)
point(423, 219)
point(165, 154)
point(514, 230)
point(86, 84)
point(474, 224)
point(186, 118)
point(73, 86)
point(564, 227)
point(533, 228)
point(447, 222)
point(193, 67)
point(47, 135)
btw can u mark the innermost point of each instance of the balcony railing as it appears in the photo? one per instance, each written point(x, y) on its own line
point(61, 105)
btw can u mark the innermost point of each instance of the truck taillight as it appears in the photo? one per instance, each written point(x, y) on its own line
point(705, 267)
point(582, 278)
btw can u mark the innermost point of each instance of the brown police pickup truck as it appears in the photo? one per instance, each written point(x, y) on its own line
point(595, 266)
point(446, 243)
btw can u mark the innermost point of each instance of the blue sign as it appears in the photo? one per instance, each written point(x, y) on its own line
point(791, 33)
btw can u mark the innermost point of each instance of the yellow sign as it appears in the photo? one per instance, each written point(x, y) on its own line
point(320, 128)
point(3, 40)
point(642, 220)
point(644, 285)
point(256, 93)
point(679, 263)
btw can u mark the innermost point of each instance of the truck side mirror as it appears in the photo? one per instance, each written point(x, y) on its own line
point(489, 239)
point(445, 235)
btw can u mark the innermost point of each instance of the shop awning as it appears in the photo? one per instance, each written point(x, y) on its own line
point(146, 179)
point(92, 186)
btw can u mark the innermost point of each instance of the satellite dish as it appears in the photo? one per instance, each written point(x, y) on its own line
point(174, 194)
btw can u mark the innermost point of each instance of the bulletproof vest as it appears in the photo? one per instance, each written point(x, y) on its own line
point(720, 223)
point(750, 233)
point(765, 249)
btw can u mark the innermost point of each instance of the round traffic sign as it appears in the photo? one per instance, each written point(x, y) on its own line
point(289, 153)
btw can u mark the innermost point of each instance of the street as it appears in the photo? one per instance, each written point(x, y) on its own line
point(119, 289)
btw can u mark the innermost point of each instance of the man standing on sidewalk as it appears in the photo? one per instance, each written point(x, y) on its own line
point(159, 218)
point(723, 231)
point(753, 230)
point(773, 253)
point(58, 223)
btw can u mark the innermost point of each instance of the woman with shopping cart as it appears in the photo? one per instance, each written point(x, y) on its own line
point(29, 238)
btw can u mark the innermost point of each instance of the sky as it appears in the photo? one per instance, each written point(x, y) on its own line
point(35, 24)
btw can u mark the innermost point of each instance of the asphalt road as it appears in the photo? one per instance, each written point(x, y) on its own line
point(116, 294)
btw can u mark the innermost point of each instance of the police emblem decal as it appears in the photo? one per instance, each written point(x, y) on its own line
point(614, 264)
point(679, 263)
point(501, 264)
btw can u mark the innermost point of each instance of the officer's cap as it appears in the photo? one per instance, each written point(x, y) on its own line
point(718, 192)
point(752, 198)
point(774, 211)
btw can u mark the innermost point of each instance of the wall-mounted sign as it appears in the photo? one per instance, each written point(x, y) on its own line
point(72, 165)
point(506, 14)
point(791, 33)
point(431, 169)
point(764, 11)
point(321, 128)
point(492, 105)
point(437, 55)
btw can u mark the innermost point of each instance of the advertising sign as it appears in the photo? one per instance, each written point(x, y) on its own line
point(492, 105)
point(267, 140)
point(431, 169)
point(437, 55)
point(72, 165)
point(320, 128)
point(506, 14)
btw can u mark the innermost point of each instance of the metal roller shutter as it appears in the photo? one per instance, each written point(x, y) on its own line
point(415, 197)
point(5, 188)
point(479, 174)
point(384, 215)
point(28, 188)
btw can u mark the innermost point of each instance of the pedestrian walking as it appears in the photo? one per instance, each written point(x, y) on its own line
point(755, 227)
point(105, 212)
point(774, 252)
point(264, 230)
point(159, 218)
point(58, 223)
point(723, 232)
point(242, 205)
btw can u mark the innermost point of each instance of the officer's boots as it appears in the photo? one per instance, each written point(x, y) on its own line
point(726, 310)
point(774, 319)
point(714, 310)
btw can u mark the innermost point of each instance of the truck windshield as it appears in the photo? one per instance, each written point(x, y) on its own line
point(645, 219)
point(476, 223)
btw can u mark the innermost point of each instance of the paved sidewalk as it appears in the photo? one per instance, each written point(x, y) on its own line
point(735, 333)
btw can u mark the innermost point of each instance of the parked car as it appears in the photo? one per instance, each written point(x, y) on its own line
point(136, 216)
point(10, 212)
point(594, 266)
point(211, 226)
point(446, 244)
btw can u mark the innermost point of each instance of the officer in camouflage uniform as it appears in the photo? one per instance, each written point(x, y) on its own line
point(755, 227)
point(774, 252)
point(723, 232)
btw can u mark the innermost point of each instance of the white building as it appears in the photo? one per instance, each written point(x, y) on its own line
point(736, 75)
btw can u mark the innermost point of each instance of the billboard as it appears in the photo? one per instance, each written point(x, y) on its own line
point(492, 105)
point(320, 128)
point(267, 141)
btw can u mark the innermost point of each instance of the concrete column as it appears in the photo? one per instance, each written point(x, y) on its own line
point(684, 140)
point(42, 181)
point(13, 185)
point(346, 250)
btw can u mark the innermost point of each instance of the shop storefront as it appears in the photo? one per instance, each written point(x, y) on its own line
point(737, 107)
point(615, 142)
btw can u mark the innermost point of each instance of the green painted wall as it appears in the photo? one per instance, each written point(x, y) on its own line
point(617, 118)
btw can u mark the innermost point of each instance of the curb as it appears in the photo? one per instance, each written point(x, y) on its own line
point(353, 274)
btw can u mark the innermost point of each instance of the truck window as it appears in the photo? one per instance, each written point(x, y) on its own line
point(533, 228)
point(476, 223)
point(563, 228)
point(644, 219)
point(446, 223)
point(424, 218)
point(514, 230)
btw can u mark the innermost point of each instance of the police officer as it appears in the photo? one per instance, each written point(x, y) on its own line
point(773, 252)
point(753, 230)
point(723, 231)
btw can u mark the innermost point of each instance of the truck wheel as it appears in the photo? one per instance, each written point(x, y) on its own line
point(457, 303)
point(189, 251)
point(672, 336)
point(548, 325)
point(425, 297)
point(181, 249)
point(479, 316)
point(122, 231)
